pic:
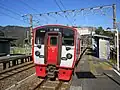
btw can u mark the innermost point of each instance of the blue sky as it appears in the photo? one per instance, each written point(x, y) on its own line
point(17, 8)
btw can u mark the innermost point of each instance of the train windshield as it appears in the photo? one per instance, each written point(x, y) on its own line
point(67, 36)
point(40, 34)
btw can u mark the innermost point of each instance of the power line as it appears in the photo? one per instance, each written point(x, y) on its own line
point(75, 11)
point(5, 8)
point(58, 5)
point(62, 10)
point(28, 6)
point(35, 10)
point(62, 4)
point(10, 10)
point(8, 15)
point(11, 16)
point(65, 9)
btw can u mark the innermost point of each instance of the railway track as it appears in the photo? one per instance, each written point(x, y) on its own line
point(47, 84)
point(17, 69)
point(34, 83)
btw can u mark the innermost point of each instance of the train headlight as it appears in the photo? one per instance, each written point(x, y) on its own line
point(37, 53)
point(69, 56)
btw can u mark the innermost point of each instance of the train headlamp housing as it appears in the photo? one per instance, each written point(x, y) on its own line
point(39, 46)
point(69, 56)
point(37, 53)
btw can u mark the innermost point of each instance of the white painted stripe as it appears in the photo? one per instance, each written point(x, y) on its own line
point(20, 82)
point(38, 60)
point(68, 62)
point(116, 72)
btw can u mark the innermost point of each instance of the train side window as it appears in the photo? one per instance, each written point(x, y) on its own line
point(53, 41)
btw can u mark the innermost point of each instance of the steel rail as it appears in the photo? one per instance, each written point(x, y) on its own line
point(15, 71)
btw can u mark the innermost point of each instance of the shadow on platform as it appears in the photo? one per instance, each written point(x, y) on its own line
point(88, 74)
point(91, 52)
point(116, 81)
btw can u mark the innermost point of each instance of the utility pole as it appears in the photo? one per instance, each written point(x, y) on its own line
point(31, 31)
point(116, 34)
point(114, 23)
point(118, 50)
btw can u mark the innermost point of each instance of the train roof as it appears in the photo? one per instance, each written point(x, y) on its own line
point(61, 26)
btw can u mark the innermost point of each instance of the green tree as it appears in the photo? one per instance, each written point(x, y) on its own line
point(99, 31)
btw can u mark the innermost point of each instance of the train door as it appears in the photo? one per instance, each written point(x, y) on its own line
point(53, 48)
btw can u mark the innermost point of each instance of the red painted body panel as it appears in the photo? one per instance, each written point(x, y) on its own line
point(75, 37)
point(56, 66)
point(40, 71)
point(52, 55)
point(64, 74)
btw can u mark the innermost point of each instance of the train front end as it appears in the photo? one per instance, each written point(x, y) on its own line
point(54, 51)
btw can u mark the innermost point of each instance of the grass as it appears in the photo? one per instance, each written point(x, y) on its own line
point(113, 61)
point(92, 67)
point(20, 50)
point(105, 66)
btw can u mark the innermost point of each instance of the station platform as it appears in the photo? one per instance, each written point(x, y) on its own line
point(7, 57)
point(94, 74)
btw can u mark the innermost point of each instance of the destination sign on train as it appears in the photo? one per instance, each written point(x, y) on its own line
point(54, 29)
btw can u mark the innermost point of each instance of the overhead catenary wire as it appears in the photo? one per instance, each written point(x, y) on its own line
point(12, 17)
point(64, 12)
point(35, 10)
point(28, 6)
point(74, 11)
point(13, 12)
point(10, 10)
point(66, 9)
point(62, 4)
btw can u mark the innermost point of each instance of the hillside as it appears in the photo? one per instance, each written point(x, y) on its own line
point(15, 32)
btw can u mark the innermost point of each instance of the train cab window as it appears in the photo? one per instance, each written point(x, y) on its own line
point(68, 37)
point(40, 34)
point(53, 41)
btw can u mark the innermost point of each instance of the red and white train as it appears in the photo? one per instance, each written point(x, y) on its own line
point(55, 50)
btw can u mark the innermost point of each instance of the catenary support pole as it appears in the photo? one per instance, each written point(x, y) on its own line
point(114, 23)
point(31, 31)
point(118, 50)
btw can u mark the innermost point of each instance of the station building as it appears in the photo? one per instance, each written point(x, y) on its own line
point(101, 46)
point(5, 44)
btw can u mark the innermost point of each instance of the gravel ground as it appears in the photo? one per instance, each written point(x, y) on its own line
point(7, 82)
point(1, 67)
point(28, 84)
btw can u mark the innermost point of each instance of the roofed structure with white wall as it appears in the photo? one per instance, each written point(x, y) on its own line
point(86, 30)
